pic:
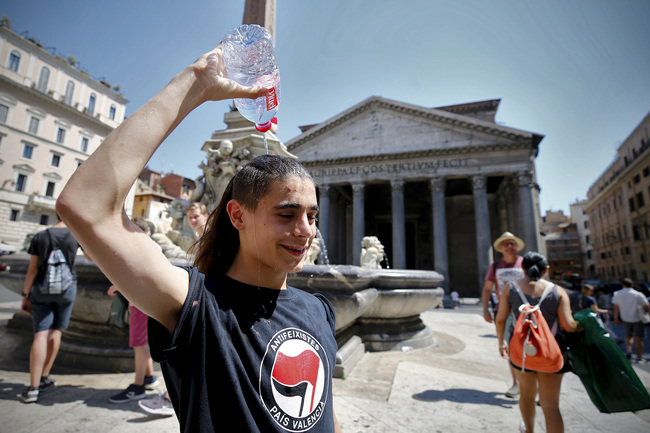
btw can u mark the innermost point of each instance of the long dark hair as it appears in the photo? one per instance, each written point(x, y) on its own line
point(534, 264)
point(219, 244)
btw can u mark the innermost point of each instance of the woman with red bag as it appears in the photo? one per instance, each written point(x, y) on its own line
point(555, 309)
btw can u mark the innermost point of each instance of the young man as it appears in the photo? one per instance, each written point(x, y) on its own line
point(501, 272)
point(197, 216)
point(50, 312)
point(626, 304)
point(238, 347)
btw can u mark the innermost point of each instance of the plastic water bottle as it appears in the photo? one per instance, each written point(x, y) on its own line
point(249, 57)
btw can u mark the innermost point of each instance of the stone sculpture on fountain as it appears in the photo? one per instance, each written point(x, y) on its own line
point(222, 165)
point(372, 252)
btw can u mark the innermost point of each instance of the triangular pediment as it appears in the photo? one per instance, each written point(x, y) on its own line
point(379, 126)
point(24, 167)
point(52, 175)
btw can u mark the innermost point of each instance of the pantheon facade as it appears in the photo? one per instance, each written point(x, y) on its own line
point(435, 185)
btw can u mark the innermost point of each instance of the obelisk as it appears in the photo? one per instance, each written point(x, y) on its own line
point(260, 12)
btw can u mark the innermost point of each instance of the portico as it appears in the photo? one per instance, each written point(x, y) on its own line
point(434, 185)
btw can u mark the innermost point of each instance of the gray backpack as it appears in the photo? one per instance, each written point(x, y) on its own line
point(58, 275)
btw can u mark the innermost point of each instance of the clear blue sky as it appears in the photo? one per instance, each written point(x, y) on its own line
point(576, 71)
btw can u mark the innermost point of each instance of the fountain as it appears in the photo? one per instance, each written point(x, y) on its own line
point(377, 309)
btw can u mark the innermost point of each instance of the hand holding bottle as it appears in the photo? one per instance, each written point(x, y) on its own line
point(216, 86)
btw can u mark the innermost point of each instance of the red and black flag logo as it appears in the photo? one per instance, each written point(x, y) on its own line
point(294, 379)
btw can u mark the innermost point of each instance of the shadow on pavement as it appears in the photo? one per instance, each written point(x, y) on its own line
point(461, 395)
point(62, 394)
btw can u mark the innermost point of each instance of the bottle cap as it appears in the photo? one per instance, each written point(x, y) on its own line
point(263, 127)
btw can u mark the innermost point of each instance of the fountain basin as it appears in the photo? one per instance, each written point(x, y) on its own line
point(376, 310)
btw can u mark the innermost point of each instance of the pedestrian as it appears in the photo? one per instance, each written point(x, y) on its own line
point(455, 297)
point(507, 268)
point(587, 300)
point(145, 378)
point(50, 312)
point(235, 343)
point(604, 301)
point(197, 216)
point(627, 302)
point(555, 308)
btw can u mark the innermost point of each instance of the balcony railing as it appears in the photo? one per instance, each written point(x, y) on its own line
point(41, 203)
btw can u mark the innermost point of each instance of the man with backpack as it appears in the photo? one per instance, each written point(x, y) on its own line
point(501, 272)
point(48, 295)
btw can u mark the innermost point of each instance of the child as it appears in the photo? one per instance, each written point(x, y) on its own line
point(237, 347)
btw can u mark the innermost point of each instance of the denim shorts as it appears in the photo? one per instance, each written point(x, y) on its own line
point(52, 311)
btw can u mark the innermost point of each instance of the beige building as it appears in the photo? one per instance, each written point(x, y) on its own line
point(580, 218)
point(52, 117)
point(563, 248)
point(619, 210)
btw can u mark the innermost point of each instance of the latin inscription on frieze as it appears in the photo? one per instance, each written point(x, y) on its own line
point(391, 168)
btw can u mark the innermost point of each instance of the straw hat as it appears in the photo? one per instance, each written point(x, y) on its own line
point(506, 237)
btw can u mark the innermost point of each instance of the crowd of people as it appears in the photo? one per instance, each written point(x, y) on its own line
point(211, 325)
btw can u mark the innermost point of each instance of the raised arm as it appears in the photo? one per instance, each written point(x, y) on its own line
point(92, 203)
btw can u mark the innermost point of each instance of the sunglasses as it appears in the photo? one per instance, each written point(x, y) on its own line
point(509, 244)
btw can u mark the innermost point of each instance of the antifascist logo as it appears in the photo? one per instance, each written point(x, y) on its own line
point(294, 385)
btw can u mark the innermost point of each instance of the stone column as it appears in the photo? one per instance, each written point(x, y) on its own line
point(399, 225)
point(358, 222)
point(502, 209)
point(482, 221)
point(441, 260)
point(324, 213)
point(527, 211)
point(511, 200)
point(260, 12)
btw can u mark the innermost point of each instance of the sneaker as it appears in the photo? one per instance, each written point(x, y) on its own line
point(159, 405)
point(47, 384)
point(30, 395)
point(133, 392)
point(151, 382)
point(640, 361)
point(513, 392)
point(522, 427)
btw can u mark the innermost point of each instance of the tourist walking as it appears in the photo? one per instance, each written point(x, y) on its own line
point(556, 309)
point(502, 271)
point(50, 311)
point(145, 378)
point(627, 305)
point(236, 344)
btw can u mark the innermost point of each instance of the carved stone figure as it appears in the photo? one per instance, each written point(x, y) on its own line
point(372, 252)
point(314, 251)
point(222, 165)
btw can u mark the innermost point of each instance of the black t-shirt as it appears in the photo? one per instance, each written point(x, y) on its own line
point(42, 247)
point(244, 358)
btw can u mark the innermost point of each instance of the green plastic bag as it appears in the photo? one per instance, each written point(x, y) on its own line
point(605, 372)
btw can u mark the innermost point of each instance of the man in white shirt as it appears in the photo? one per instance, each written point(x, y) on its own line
point(626, 309)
